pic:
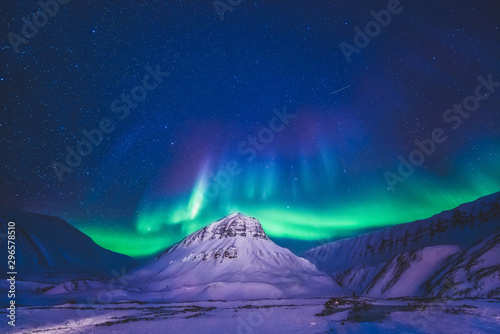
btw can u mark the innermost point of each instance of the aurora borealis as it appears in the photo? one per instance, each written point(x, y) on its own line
point(209, 140)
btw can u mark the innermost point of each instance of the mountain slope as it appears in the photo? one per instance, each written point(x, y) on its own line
point(355, 279)
point(404, 274)
point(48, 249)
point(462, 226)
point(230, 259)
point(377, 262)
point(475, 273)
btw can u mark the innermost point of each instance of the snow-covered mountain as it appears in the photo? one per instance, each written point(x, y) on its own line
point(398, 261)
point(406, 272)
point(230, 259)
point(48, 249)
point(474, 273)
point(453, 254)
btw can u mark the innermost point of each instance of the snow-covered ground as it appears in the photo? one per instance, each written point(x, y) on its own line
point(338, 315)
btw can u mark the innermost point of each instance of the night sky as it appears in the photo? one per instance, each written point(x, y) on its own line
point(260, 112)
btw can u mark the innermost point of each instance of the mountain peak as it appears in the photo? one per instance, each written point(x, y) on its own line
point(232, 226)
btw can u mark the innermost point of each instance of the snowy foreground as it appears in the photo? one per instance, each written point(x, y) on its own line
point(337, 315)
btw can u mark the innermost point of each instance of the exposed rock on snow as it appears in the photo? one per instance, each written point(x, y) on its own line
point(407, 272)
point(475, 273)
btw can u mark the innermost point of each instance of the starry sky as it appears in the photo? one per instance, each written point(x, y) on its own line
point(249, 106)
